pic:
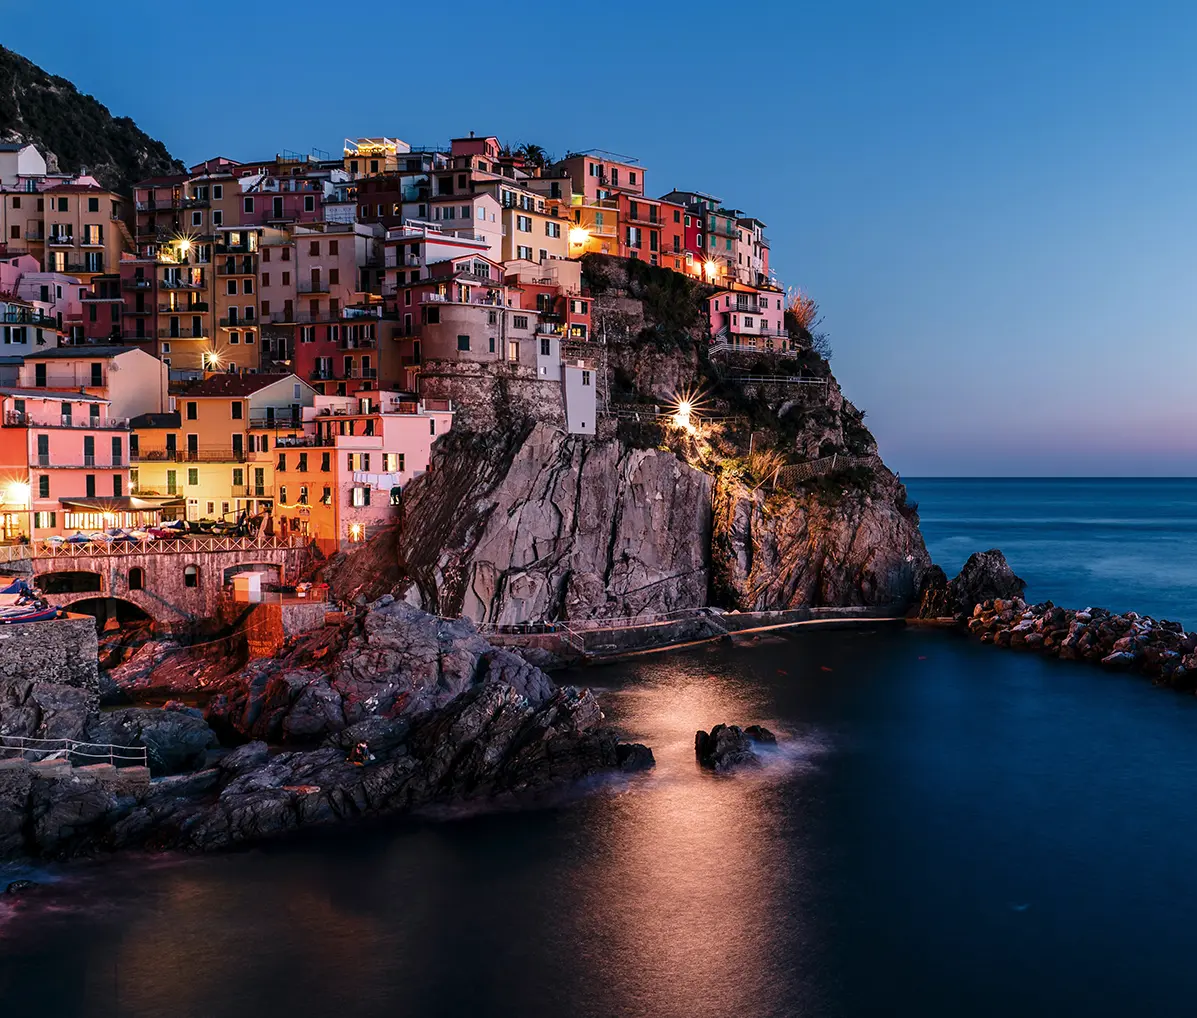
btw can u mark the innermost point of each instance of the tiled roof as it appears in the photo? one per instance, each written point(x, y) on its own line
point(81, 351)
point(63, 395)
point(233, 385)
point(170, 420)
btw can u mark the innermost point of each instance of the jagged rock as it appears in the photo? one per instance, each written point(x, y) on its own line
point(932, 597)
point(985, 576)
point(175, 740)
point(726, 747)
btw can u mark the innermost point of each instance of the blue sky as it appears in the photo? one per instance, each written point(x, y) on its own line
point(994, 204)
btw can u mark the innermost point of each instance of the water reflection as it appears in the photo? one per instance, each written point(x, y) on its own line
point(684, 874)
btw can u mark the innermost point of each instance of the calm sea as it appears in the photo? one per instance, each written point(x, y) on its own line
point(1114, 543)
point(949, 830)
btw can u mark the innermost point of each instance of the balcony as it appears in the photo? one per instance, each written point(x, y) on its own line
point(358, 344)
point(238, 322)
point(265, 422)
point(136, 337)
point(21, 419)
point(183, 333)
point(136, 284)
point(182, 283)
point(60, 240)
point(75, 268)
point(12, 317)
point(408, 261)
point(137, 311)
point(247, 267)
point(198, 307)
point(321, 375)
point(205, 455)
point(252, 491)
point(313, 286)
point(194, 203)
point(34, 235)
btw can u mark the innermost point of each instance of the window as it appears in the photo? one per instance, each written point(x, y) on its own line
point(359, 497)
point(519, 322)
point(302, 464)
point(523, 224)
point(432, 316)
point(191, 573)
point(585, 377)
point(463, 342)
point(546, 347)
point(217, 217)
point(192, 476)
point(282, 462)
point(234, 338)
point(303, 494)
point(230, 286)
point(552, 229)
point(333, 247)
point(249, 205)
point(118, 486)
point(172, 484)
point(218, 191)
point(524, 253)
point(43, 486)
point(238, 410)
point(282, 494)
point(62, 205)
point(137, 578)
point(325, 462)
point(247, 286)
point(197, 219)
point(314, 247)
point(309, 203)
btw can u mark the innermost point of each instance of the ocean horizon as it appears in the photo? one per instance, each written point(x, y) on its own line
point(1129, 544)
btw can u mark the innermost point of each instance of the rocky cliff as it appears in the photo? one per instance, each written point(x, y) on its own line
point(518, 521)
point(74, 131)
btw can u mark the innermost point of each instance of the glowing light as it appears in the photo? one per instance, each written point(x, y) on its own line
point(211, 359)
point(17, 493)
point(711, 268)
point(578, 236)
point(684, 411)
point(356, 530)
point(185, 244)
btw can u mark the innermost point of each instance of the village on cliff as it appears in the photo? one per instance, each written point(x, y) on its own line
point(286, 338)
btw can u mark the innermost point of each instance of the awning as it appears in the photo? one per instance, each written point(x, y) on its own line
point(122, 503)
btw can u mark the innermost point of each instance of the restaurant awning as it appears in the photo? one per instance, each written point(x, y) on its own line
point(122, 503)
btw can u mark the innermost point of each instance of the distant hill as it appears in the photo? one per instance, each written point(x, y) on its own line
point(73, 130)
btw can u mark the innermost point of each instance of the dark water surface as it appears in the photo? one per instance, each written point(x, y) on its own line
point(952, 830)
point(1120, 543)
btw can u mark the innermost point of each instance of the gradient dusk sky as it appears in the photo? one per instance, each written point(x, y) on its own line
point(994, 204)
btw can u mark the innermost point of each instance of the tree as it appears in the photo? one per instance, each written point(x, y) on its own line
point(802, 319)
point(534, 155)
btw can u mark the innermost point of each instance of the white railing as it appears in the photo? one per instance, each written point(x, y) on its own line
point(66, 749)
point(191, 543)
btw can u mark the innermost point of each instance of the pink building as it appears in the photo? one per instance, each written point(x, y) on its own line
point(749, 317)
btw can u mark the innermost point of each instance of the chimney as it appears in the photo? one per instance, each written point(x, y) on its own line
point(471, 134)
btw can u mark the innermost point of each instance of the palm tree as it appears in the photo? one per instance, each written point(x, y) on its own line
point(534, 155)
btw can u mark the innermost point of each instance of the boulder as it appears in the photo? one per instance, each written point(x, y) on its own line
point(986, 576)
point(726, 747)
point(175, 740)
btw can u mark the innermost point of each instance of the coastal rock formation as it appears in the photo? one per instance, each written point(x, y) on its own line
point(393, 661)
point(1161, 650)
point(489, 741)
point(783, 550)
point(446, 718)
point(726, 747)
point(554, 526)
point(986, 576)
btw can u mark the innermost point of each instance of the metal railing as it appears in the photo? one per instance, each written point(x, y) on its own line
point(184, 544)
point(20, 419)
point(796, 473)
point(69, 749)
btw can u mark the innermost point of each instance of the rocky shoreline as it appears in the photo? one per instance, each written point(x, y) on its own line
point(393, 711)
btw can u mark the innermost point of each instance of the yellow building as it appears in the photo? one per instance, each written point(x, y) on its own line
point(535, 227)
point(594, 226)
point(218, 448)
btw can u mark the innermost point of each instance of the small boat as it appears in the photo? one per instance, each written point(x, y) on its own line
point(27, 613)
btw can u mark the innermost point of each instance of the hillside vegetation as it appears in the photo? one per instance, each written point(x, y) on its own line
point(73, 130)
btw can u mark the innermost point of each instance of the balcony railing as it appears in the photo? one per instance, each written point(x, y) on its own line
point(24, 419)
point(60, 239)
point(239, 322)
point(12, 317)
point(198, 307)
point(34, 235)
point(358, 344)
point(182, 333)
point(182, 283)
point(242, 269)
point(136, 284)
point(204, 455)
point(313, 286)
point(264, 422)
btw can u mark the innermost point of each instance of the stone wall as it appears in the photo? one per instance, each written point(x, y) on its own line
point(64, 652)
point(268, 626)
point(490, 395)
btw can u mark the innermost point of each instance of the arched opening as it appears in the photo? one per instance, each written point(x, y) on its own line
point(137, 578)
point(67, 582)
point(109, 609)
point(191, 576)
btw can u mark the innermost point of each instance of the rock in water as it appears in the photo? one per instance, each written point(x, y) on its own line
point(726, 747)
point(986, 576)
point(20, 887)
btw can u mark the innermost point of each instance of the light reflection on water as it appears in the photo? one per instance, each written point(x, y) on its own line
point(952, 830)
